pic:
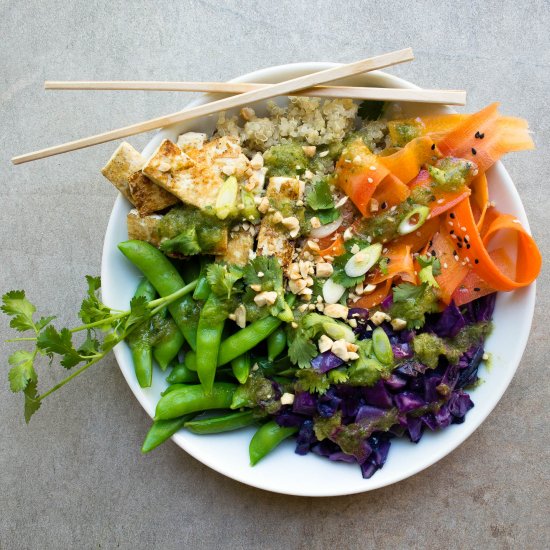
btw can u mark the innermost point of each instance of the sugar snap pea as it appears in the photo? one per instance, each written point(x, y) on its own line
point(141, 340)
point(161, 430)
point(190, 360)
point(241, 367)
point(190, 399)
point(165, 278)
point(181, 374)
point(223, 423)
point(247, 338)
point(266, 438)
point(276, 343)
point(209, 337)
point(168, 339)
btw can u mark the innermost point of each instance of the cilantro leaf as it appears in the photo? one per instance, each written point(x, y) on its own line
point(32, 400)
point(222, 278)
point(431, 267)
point(312, 381)
point(22, 371)
point(328, 216)
point(370, 110)
point(319, 196)
point(91, 309)
point(338, 376)
point(383, 265)
point(90, 346)
point(407, 291)
point(16, 305)
point(301, 349)
point(269, 267)
point(51, 341)
point(138, 311)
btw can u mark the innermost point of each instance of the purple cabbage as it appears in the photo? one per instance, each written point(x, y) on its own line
point(380, 446)
point(326, 361)
point(378, 396)
point(367, 413)
point(304, 403)
point(402, 351)
point(449, 323)
point(328, 404)
point(305, 438)
point(408, 401)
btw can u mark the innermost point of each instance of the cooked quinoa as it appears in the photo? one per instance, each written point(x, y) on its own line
point(306, 120)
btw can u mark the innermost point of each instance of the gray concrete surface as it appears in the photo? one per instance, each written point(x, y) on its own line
point(75, 477)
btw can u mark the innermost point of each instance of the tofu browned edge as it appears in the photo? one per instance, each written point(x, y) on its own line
point(273, 239)
point(239, 245)
point(123, 170)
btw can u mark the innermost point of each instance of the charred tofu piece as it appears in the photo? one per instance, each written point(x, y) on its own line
point(144, 228)
point(239, 246)
point(124, 171)
point(196, 175)
point(148, 197)
point(122, 165)
point(276, 233)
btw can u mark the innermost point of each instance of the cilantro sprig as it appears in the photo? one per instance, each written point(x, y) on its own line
point(104, 329)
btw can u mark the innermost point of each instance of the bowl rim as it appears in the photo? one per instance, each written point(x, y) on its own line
point(528, 299)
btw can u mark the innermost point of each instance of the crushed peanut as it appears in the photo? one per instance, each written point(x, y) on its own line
point(336, 311)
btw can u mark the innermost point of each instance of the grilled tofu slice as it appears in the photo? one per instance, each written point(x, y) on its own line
point(124, 171)
point(191, 140)
point(273, 238)
point(196, 175)
point(124, 162)
point(239, 246)
point(143, 228)
point(148, 197)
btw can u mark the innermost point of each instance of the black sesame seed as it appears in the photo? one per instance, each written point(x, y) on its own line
point(459, 245)
point(432, 198)
point(466, 239)
point(452, 216)
point(452, 231)
point(430, 243)
point(476, 261)
point(433, 252)
point(468, 246)
point(477, 134)
point(481, 136)
point(384, 205)
point(459, 238)
point(454, 253)
point(433, 146)
point(474, 152)
point(476, 289)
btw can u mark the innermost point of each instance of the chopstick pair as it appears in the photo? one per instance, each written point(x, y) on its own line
point(287, 87)
point(445, 97)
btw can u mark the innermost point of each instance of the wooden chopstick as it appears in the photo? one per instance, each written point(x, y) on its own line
point(444, 97)
point(282, 88)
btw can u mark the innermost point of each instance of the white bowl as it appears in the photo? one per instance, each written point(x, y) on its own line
point(283, 471)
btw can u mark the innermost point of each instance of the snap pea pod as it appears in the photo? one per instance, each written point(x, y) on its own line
point(219, 424)
point(191, 399)
point(165, 278)
point(209, 337)
point(168, 341)
point(140, 341)
point(181, 374)
point(203, 286)
point(249, 337)
point(276, 343)
point(241, 367)
point(190, 360)
point(171, 388)
point(266, 438)
point(161, 430)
